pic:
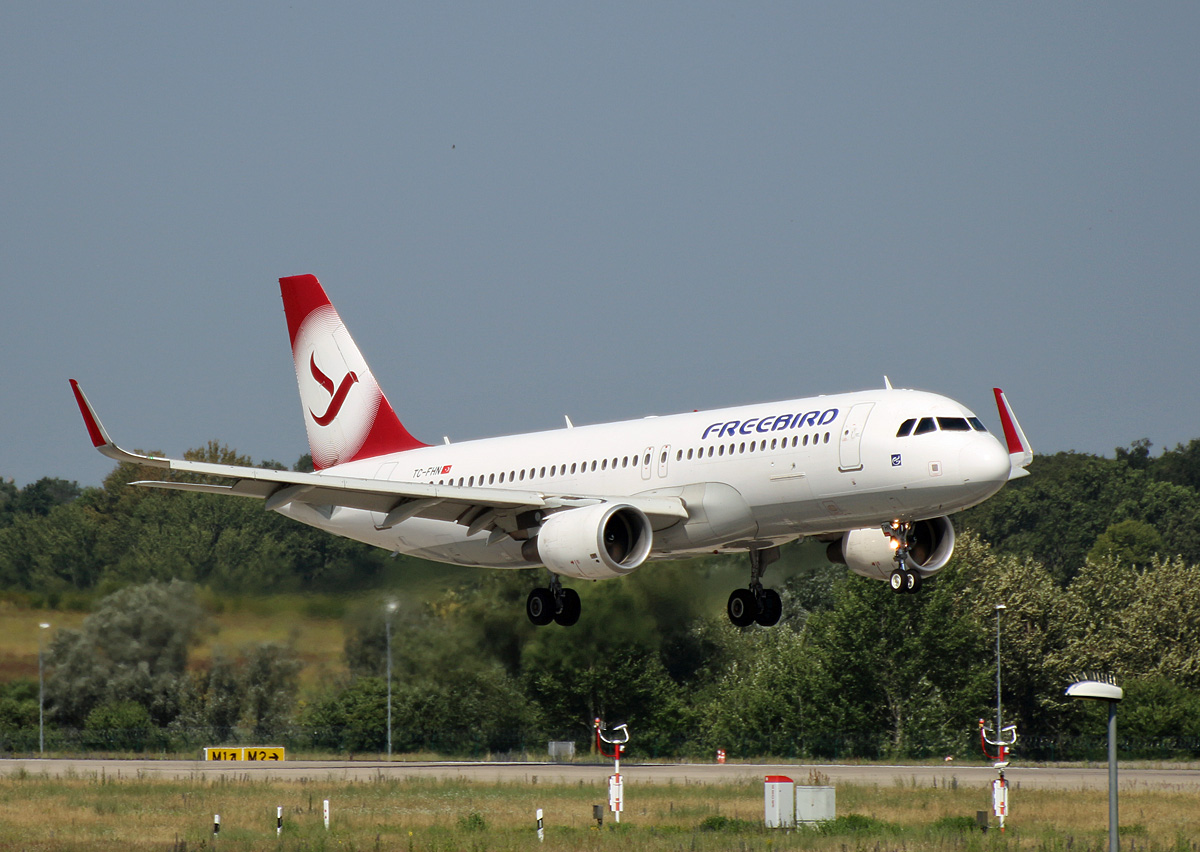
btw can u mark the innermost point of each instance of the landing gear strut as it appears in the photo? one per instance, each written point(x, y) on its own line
point(903, 579)
point(555, 604)
point(747, 606)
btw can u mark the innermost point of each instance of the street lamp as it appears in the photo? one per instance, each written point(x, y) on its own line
point(999, 609)
point(387, 622)
point(1099, 687)
point(41, 693)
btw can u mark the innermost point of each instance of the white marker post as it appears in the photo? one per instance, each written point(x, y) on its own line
point(541, 827)
point(216, 827)
point(326, 809)
point(278, 821)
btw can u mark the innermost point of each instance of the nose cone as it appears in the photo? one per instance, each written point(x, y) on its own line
point(985, 462)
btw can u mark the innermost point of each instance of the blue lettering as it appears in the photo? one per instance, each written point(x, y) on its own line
point(770, 423)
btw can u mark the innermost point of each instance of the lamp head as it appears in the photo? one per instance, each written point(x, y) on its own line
point(1099, 687)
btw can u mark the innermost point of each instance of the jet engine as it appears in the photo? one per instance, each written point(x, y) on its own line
point(868, 552)
point(593, 542)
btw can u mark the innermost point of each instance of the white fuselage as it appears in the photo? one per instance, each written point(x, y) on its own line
point(750, 476)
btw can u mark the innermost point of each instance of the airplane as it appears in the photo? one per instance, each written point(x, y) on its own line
point(872, 473)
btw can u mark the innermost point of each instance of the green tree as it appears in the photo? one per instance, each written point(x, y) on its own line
point(133, 647)
point(1128, 542)
point(118, 726)
point(270, 684)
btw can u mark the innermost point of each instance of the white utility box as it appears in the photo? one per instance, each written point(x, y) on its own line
point(779, 801)
point(815, 804)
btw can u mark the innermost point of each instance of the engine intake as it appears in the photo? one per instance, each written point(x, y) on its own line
point(594, 542)
point(868, 552)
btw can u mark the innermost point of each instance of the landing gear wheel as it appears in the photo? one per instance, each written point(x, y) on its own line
point(912, 582)
point(742, 607)
point(899, 581)
point(569, 608)
point(539, 606)
point(772, 608)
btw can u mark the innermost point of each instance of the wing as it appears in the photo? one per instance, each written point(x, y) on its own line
point(476, 508)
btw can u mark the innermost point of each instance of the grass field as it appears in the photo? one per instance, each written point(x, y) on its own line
point(110, 814)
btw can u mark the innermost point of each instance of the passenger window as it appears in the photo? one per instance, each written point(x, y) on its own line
point(604, 464)
point(742, 447)
point(543, 473)
point(954, 424)
point(593, 466)
point(906, 428)
point(925, 426)
point(572, 468)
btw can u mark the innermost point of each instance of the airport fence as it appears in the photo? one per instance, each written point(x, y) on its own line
point(520, 745)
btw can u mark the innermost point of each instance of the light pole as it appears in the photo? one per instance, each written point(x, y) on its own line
point(387, 621)
point(999, 609)
point(1103, 688)
point(41, 693)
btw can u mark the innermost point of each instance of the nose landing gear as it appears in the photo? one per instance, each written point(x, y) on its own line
point(904, 579)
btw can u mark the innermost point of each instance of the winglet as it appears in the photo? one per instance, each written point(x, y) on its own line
point(100, 439)
point(1020, 454)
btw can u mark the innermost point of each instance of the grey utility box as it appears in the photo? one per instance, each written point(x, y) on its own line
point(561, 750)
point(815, 804)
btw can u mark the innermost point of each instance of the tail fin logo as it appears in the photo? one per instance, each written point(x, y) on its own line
point(337, 397)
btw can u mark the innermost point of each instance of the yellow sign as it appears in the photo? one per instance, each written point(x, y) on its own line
point(247, 753)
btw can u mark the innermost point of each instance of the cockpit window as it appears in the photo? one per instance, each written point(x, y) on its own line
point(925, 426)
point(977, 425)
point(906, 428)
point(954, 424)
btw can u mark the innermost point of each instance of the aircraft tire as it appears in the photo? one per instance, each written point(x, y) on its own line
point(772, 608)
point(742, 608)
point(912, 582)
point(898, 582)
point(571, 609)
point(539, 606)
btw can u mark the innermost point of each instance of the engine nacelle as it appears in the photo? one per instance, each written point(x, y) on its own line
point(868, 552)
point(593, 542)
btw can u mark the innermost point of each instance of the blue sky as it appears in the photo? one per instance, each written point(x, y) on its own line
point(530, 210)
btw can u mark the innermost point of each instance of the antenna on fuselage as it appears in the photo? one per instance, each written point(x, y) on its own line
point(567, 418)
point(887, 383)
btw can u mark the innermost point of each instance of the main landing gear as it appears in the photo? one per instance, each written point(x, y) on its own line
point(747, 606)
point(903, 579)
point(555, 604)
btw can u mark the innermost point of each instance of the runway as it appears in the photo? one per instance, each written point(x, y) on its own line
point(1183, 779)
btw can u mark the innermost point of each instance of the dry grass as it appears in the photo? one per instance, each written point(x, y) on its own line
point(104, 814)
point(318, 640)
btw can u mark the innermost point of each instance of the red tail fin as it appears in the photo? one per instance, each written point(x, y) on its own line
point(345, 412)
